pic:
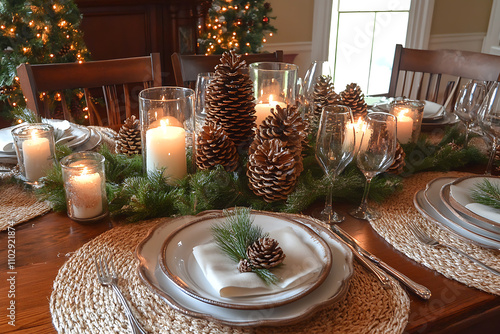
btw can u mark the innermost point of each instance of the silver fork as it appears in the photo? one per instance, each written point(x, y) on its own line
point(425, 238)
point(106, 272)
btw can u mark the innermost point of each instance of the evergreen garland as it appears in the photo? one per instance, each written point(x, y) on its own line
point(135, 196)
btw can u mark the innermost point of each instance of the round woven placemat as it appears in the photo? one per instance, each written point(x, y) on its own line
point(79, 304)
point(18, 205)
point(397, 211)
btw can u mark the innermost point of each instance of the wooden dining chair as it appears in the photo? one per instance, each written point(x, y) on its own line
point(187, 67)
point(418, 74)
point(120, 81)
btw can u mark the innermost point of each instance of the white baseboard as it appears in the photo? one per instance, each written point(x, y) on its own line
point(301, 49)
point(464, 42)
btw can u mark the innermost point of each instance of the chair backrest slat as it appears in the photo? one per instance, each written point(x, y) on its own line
point(109, 75)
point(436, 63)
point(187, 67)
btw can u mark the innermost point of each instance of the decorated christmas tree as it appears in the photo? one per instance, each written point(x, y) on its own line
point(241, 25)
point(36, 32)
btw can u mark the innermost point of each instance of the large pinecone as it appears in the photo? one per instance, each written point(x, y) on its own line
point(355, 99)
point(230, 100)
point(324, 94)
point(265, 253)
point(129, 137)
point(287, 125)
point(273, 170)
point(399, 163)
point(214, 147)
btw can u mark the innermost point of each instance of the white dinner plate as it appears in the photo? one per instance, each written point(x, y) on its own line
point(460, 193)
point(333, 288)
point(94, 140)
point(180, 265)
point(444, 217)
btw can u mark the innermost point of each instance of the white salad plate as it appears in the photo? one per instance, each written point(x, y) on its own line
point(181, 267)
point(460, 198)
point(481, 224)
point(428, 202)
point(331, 290)
point(432, 111)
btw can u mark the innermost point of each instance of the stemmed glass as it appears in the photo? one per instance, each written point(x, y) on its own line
point(334, 150)
point(467, 105)
point(375, 155)
point(202, 81)
point(488, 118)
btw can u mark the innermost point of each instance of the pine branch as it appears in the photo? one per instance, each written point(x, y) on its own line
point(487, 193)
point(236, 234)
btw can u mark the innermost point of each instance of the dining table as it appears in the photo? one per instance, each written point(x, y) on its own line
point(43, 244)
point(34, 252)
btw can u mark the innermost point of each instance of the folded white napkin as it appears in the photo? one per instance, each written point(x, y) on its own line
point(300, 264)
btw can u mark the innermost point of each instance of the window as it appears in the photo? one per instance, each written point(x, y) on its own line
point(359, 37)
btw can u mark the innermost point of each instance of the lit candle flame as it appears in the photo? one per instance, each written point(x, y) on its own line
point(34, 134)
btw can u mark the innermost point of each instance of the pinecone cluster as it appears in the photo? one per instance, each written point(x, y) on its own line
point(214, 147)
point(399, 163)
point(275, 155)
point(354, 98)
point(264, 253)
point(230, 100)
point(129, 137)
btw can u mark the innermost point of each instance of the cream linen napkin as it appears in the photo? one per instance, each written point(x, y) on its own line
point(300, 264)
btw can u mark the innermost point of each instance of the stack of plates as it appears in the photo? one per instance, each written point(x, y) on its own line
point(168, 268)
point(77, 137)
point(447, 201)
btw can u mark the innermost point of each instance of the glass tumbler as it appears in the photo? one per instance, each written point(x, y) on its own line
point(85, 185)
point(167, 130)
point(274, 84)
point(35, 148)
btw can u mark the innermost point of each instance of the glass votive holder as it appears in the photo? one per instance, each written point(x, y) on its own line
point(409, 114)
point(274, 83)
point(85, 185)
point(35, 150)
point(167, 130)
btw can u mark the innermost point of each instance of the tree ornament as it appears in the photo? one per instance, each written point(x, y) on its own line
point(265, 19)
point(272, 170)
point(230, 100)
point(399, 163)
point(354, 99)
point(265, 253)
point(214, 147)
point(129, 137)
point(267, 5)
point(64, 50)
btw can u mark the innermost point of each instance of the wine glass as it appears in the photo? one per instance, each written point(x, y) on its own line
point(316, 70)
point(202, 82)
point(335, 144)
point(469, 100)
point(488, 118)
point(375, 154)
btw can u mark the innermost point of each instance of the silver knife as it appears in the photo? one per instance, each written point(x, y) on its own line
point(417, 288)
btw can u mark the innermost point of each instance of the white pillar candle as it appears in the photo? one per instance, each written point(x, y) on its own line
point(360, 128)
point(404, 126)
point(166, 147)
point(86, 194)
point(36, 156)
point(263, 109)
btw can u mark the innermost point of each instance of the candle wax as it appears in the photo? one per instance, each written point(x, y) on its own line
point(166, 147)
point(86, 195)
point(36, 157)
point(262, 110)
point(404, 128)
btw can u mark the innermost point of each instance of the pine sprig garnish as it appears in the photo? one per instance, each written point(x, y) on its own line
point(236, 234)
point(487, 193)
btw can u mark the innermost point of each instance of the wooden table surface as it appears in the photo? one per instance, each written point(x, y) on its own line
point(43, 244)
